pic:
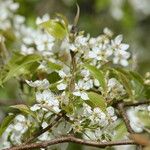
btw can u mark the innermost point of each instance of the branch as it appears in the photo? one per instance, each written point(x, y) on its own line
point(9, 102)
point(137, 103)
point(71, 139)
point(125, 117)
point(37, 134)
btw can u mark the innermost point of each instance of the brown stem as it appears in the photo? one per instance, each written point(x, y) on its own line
point(71, 139)
point(137, 103)
point(37, 134)
point(125, 117)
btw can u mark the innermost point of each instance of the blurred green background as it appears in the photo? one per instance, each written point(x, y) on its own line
point(128, 17)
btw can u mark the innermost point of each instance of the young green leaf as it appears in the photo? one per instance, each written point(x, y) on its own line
point(53, 66)
point(55, 28)
point(120, 130)
point(24, 109)
point(96, 100)
point(6, 122)
point(14, 68)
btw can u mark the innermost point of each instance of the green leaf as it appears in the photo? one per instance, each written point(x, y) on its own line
point(53, 77)
point(137, 76)
point(55, 28)
point(96, 100)
point(120, 130)
point(24, 109)
point(138, 85)
point(17, 64)
point(98, 74)
point(124, 80)
point(6, 122)
point(144, 117)
point(53, 66)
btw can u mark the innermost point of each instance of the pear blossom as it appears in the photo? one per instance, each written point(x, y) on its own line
point(98, 117)
point(110, 111)
point(115, 89)
point(44, 18)
point(41, 84)
point(47, 100)
point(61, 86)
point(117, 45)
point(81, 86)
point(35, 107)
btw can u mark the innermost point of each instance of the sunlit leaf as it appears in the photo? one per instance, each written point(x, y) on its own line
point(17, 64)
point(6, 122)
point(144, 117)
point(53, 66)
point(96, 100)
point(24, 109)
point(54, 28)
point(120, 131)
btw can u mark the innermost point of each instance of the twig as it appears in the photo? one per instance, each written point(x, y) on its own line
point(59, 116)
point(10, 102)
point(137, 103)
point(124, 117)
point(71, 139)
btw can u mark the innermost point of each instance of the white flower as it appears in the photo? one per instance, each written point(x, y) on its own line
point(48, 100)
point(81, 87)
point(117, 45)
point(148, 108)
point(87, 110)
point(44, 124)
point(41, 84)
point(100, 53)
point(110, 110)
point(35, 107)
point(108, 32)
point(96, 83)
point(121, 57)
point(61, 86)
point(83, 95)
point(98, 117)
point(43, 19)
point(115, 89)
point(14, 6)
point(26, 51)
point(20, 118)
point(62, 74)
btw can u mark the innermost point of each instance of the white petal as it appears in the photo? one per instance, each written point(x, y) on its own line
point(38, 20)
point(110, 110)
point(34, 107)
point(61, 86)
point(115, 60)
point(118, 39)
point(124, 62)
point(62, 74)
point(84, 96)
point(39, 97)
point(56, 109)
point(124, 47)
point(78, 93)
point(92, 54)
